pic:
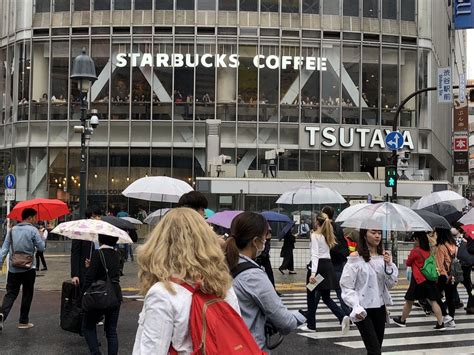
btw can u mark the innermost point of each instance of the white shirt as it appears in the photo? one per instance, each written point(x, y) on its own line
point(319, 250)
point(164, 320)
point(366, 285)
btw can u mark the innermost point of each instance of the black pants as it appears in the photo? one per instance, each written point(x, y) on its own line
point(14, 282)
point(40, 255)
point(288, 262)
point(372, 329)
point(264, 260)
point(89, 330)
point(467, 285)
point(448, 288)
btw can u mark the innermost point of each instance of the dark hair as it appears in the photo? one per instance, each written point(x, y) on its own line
point(107, 240)
point(444, 236)
point(27, 213)
point(193, 199)
point(363, 248)
point(329, 211)
point(93, 211)
point(422, 240)
point(243, 229)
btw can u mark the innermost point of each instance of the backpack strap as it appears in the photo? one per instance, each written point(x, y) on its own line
point(239, 268)
point(184, 284)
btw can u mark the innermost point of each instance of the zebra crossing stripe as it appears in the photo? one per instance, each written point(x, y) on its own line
point(436, 351)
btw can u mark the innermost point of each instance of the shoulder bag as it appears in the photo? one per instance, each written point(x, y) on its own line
point(101, 294)
point(20, 259)
point(429, 269)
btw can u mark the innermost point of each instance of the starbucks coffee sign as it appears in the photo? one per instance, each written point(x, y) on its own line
point(351, 137)
point(178, 60)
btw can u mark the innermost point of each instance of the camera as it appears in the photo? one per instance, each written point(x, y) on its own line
point(94, 121)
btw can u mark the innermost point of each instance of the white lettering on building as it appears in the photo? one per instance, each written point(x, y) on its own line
point(345, 136)
point(208, 60)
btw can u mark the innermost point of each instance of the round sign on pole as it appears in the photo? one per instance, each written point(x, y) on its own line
point(394, 141)
point(10, 181)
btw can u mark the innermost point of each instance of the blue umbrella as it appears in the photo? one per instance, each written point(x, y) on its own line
point(271, 216)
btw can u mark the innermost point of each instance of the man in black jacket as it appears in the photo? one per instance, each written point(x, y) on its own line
point(339, 254)
point(81, 251)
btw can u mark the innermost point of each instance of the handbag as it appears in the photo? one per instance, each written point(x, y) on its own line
point(20, 259)
point(101, 294)
point(429, 269)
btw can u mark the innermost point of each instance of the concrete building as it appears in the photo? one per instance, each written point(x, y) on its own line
point(318, 81)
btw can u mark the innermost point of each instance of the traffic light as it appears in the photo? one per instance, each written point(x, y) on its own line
point(391, 176)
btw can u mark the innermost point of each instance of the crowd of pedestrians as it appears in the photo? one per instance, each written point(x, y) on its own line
point(186, 269)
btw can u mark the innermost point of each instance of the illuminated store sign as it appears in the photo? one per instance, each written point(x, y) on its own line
point(345, 137)
point(177, 60)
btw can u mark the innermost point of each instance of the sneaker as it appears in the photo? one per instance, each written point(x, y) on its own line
point(398, 321)
point(459, 305)
point(440, 327)
point(345, 325)
point(447, 319)
point(450, 324)
point(1, 322)
point(282, 272)
point(305, 328)
point(292, 272)
point(44, 269)
point(25, 325)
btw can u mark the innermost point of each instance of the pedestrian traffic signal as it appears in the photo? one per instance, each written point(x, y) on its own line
point(391, 176)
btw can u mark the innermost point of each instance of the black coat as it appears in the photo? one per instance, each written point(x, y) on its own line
point(288, 245)
point(80, 251)
point(340, 252)
point(96, 270)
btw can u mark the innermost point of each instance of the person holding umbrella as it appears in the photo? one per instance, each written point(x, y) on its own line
point(22, 240)
point(367, 277)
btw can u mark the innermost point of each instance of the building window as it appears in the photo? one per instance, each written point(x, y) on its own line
point(389, 85)
point(290, 6)
point(389, 9)
point(62, 5)
point(370, 85)
point(164, 5)
point(59, 79)
point(143, 4)
point(331, 7)
point(408, 67)
point(350, 7)
point(82, 5)
point(228, 5)
point(206, 4)
point(350, 84)
point(408, 10)
point(248, 5)
point(311, 6)
point(371, 8)
point(101, 4)
point(184, 4)
point(43, 6)
point(122, 4)
point(330, 98)
point(269, 5)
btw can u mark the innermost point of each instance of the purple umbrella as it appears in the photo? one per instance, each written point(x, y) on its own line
point(224, 218)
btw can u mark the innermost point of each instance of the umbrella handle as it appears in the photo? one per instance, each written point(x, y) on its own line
point(385, 269)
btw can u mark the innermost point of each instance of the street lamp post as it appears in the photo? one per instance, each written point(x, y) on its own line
point(83, 70)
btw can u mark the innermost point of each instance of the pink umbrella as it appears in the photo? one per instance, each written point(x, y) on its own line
point(223, 219)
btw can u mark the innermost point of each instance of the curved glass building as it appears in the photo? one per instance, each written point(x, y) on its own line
point(319, 80)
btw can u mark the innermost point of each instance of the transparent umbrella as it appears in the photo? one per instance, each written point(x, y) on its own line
point(155, 217)
point(385, 216)
point(347, 212)
point(435, 198)
point(314, 194)
point(157, 188)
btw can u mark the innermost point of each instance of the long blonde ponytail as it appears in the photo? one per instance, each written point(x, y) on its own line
point(327, 230)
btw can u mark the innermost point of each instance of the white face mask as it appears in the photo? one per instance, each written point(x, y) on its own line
point(259, 251)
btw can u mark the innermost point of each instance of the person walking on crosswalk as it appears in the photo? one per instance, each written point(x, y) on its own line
point(365, 282)
point(322, 240)
point(420, 287)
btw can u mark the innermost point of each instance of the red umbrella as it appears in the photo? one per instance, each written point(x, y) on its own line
point(47, 209)
point(469, 229)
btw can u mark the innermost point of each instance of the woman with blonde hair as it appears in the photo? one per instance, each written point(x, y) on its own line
point(181, 247)
point(322, 240)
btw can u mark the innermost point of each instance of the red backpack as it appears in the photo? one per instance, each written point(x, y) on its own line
point(216, 328)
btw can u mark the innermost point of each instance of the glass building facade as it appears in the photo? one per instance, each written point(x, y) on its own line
point(153, 118)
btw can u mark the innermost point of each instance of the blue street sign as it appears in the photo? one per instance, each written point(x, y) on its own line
point(463, 14)
point(394, 141)
point(10, 181)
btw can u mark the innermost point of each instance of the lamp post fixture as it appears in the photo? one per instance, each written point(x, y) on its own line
point(83, 70)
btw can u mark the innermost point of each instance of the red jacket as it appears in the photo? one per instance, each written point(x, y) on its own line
point(416, 260)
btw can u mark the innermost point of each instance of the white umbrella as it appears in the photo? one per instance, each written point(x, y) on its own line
point(434, 198)
point(385, 216)
point(468, 218)
point(349, 211)
point(89, 229)
point(132, 220)
point(155, 217)
point(314, 194)
point(157, 188)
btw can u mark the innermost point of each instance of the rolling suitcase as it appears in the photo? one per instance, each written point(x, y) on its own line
point(71, 310)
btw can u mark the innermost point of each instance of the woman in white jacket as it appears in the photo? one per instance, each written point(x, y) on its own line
point(365, 282)
point(182, 246)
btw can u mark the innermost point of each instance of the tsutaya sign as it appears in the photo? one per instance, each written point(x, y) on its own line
point(178, 60)
point(345, 136)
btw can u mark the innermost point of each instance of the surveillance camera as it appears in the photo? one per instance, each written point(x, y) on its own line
point(79, 129)
point(94, 121)
point(226, 159)
point(280, 151)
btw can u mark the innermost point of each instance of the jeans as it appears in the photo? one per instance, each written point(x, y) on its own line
point(89, 330)
point(345, 308)
point(372, 330)
point(14, 281)
point(313, 298)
